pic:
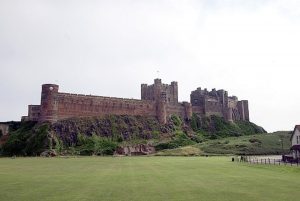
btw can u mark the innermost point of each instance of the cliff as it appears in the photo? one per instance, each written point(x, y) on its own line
point(106, 135)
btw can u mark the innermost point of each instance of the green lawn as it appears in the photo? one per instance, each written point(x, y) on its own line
point(145, 178)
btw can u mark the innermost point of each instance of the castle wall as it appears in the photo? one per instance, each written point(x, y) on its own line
point(184, 110)
point(158, 100)
point(34, 112)
point(198, 110)
point(213, 107)
point(70, 105)
point(4, 128)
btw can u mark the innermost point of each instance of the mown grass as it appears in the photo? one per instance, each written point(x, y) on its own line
point(145, 178)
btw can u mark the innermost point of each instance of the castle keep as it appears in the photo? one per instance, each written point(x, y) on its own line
point(157, 100)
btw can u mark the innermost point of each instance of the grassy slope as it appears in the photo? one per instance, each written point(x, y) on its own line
point(145, 178)
point(264, 144)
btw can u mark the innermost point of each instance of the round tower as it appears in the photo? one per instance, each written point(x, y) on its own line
point(49, 105)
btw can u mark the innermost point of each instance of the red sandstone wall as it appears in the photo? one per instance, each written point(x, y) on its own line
point(184, 110)
point(34, 112)
point(213, 108)
point(70, 105)
point(177, 109)
point(198, 110)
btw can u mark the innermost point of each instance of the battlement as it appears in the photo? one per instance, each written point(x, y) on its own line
point(157, 100)
point(217, 102)
point(158, 91)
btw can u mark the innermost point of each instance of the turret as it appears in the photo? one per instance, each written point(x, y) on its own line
point(161, 110)
point(229, 115)
point(246, 110)
point(49, 106)
point(144, 88)
point(174, 86)
point(188, 110)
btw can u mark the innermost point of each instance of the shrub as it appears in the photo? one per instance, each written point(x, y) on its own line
point(176, 120)
point(95, 145)
point(254, 140)
point(180, 139)
point(29, 139)
point(195, 123)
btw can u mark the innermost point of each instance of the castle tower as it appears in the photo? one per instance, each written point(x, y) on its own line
point(174, 92)
point(188, 110)
point(240, 107)
point(153, 92)
point(229, 114)
point(246, 110)
point(49, 105)
point(161, 110)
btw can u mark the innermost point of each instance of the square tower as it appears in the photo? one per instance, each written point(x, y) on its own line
point(153, 92)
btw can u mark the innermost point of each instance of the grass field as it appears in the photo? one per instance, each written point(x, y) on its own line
point(145, 178)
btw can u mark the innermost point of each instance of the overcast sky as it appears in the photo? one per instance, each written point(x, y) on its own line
point(249, 48)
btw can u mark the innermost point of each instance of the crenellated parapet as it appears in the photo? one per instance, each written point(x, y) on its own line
point(217, 102)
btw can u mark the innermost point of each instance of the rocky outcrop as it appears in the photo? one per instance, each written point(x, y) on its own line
point(49, 153)
point(135, 150)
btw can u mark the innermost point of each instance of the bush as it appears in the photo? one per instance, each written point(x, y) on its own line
point(96, 145)
point(196, 123)
point(29, 139)
point(176, 120)
point(179, 140)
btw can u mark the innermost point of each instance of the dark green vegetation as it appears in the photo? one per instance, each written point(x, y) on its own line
point(102, 136)
point(145, 178)
point(26, 139)
point(215, 127)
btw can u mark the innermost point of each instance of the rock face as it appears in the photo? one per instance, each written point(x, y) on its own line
point(135, 150)
point(49, 153)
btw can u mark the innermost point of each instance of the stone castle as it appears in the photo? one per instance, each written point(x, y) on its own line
point(157, 100)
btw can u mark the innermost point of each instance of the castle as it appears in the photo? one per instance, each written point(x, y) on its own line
point(157, 100)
